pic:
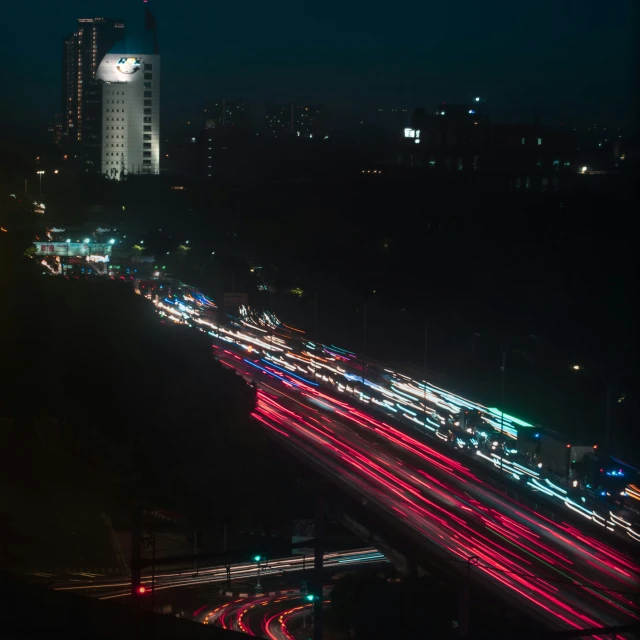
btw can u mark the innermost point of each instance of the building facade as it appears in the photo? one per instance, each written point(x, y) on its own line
point(291, 119)
point(82, 52)
point(130, 113)
point(461, 138)
point(226, 113)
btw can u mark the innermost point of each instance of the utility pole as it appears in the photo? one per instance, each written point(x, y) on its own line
point(465, 600)
point(136, 559)
point(364, 344)
point(153, 570)
point(504, 372)
point(607, 437)
point(426, 329)
point(426, 341)
point(195, 547)
point(271, 314)
point(315, 318)
point(318, 559)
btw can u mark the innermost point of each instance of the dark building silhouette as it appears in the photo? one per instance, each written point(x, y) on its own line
point(54, 129)
point(82, 52)
point(226, 113)
point(295, 120)
point(462, 138)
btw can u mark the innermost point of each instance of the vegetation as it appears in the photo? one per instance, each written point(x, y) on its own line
point(105, 407)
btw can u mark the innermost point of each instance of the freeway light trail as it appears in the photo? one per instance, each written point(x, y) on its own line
point(107, 589)
point(566, 576)
point(538, 561)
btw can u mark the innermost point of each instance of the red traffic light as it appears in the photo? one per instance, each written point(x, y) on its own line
point(141, 590)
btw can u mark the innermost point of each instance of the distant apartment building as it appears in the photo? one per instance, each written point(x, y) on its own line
point(82, 52)
point(462, 138)
point(295, 120)
point(226, 113)
point(54, 129)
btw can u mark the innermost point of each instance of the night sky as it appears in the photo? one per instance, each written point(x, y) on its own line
point(549, 58)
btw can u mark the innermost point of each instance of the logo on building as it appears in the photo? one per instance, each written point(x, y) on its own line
point(128, 65)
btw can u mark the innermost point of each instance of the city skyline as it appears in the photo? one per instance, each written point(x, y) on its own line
point(522, 63)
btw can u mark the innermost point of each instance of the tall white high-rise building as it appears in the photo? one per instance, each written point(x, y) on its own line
point(130, 113)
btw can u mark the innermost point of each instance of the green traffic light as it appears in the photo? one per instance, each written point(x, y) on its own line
point(311, 597)
point(257, 558)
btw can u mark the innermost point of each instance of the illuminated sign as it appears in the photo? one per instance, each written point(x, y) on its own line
point(128, 65)
point(67, 249)
point(412, 133)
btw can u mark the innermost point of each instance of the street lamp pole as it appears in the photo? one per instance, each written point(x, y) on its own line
point(426, 328)
point(40, 174)
point(607, 423)
point(607, 435)
point(504, 372)
point(364, 344)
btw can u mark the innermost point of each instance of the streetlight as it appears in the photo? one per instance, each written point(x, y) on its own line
point(503, 369)
point(40, 174)
point(426, 336)
point(505, 351)
point(607, 386)
point(112, 241)
point(258, 559)
point(87, 241)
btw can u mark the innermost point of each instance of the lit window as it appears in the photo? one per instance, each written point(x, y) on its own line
point(539, 141)
point(523, 140)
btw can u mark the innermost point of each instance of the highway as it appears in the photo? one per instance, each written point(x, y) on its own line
point(350, 419)
point(271, 348)
point(118, 587)
point(266, 616)
point(556, 572)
